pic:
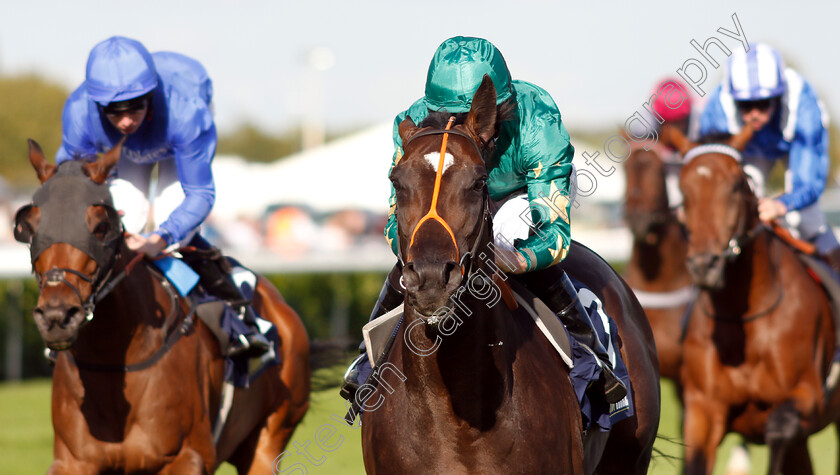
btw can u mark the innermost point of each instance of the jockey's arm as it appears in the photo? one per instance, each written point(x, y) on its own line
point(548, 167)
point(194, 146)
point(713, 119)
point(418, 113)
point(808, 156)
point(76, 141)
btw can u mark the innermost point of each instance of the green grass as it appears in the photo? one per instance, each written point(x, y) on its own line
point(26, 436)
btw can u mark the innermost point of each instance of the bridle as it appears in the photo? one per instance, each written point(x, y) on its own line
point(102, 284)
point(467, 259)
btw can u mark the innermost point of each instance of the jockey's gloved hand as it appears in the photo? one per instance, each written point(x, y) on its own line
point(510, 261)
point(151, 245)
point(770, 209)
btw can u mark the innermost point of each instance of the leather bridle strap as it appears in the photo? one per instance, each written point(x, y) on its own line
point(432, 214)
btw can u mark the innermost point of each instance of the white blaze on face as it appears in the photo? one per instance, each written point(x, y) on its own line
point(704, 172)
point(434, 161)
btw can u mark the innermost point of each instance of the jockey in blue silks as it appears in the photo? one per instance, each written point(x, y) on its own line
point(162, 103)
point(790, 124)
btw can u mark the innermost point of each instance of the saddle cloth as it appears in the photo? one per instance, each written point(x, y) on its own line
point(226, 323)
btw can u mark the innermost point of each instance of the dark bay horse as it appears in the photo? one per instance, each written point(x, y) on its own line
point(760, 338)
point(656, 271)
point(138, 386)
point(471, 385)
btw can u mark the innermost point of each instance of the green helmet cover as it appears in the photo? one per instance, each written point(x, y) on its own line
point(457, 69)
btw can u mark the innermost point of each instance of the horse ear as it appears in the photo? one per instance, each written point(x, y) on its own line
point(407, 129)
point(481, 120)
point(43, 168)
point(740, 140)
point(98, 171)
point(674, 137)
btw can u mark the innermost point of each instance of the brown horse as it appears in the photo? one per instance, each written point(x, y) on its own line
point(471, 385)
point(656, 271)
point(138, 387)
point(760, 338)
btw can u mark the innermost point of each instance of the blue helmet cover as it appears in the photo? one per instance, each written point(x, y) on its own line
point(119, 69)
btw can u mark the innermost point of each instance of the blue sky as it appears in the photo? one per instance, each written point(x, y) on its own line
point(597, 59)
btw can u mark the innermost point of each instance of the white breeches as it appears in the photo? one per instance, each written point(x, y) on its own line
point(143, 209)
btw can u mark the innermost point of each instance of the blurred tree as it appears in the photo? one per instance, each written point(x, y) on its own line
point(251, 143)
point(31, 108)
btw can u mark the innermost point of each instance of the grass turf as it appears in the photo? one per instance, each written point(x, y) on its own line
point(26, 436)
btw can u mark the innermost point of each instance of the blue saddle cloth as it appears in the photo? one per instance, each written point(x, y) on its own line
point(596, 412)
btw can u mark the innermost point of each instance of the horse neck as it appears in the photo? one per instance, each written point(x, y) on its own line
point(751, 278)
point(660, 265)
point(471, 364)
point(125, 321)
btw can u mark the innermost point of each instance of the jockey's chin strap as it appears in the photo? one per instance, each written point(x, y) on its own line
point(466, 261)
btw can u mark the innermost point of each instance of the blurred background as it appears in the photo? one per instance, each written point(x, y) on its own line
point(305, 94)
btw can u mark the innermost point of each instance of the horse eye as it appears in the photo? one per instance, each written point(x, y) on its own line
point(480, 184)
point(102, 229)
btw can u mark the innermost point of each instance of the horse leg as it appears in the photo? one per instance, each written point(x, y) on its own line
point(704, 426)
point(624, 453)
point(261, 450)
point(739, 460)
point(188, 460)
point(783, 426)
point(797, 459)
point(74, 467)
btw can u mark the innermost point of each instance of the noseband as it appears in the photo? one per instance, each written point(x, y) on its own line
point(466, 261)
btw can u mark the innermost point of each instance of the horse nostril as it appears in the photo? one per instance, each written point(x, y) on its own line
point(450, 269)
point(70, 313)
point(38, 313)
point(410, 276)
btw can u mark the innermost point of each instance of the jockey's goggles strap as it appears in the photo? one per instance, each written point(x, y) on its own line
point(433, 214)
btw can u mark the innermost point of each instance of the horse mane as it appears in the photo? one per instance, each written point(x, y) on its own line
point(504, 112)
point(714, 137)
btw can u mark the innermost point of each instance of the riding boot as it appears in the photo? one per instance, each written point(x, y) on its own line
point(832, 257)
point(252, 344)
point(829, 249)
point(562, 298)
point(389, 298)
point(214, 273)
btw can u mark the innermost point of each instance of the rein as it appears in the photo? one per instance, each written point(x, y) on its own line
point(103, 287)
point(171, 338)
point(779, 292)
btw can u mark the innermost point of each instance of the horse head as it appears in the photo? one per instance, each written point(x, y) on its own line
point(646, 197)
point(442, 198)
point(74, 234)
point(721, 212)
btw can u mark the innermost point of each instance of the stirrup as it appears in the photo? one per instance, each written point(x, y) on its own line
point(253, 345)
point(350, 383)
point(614, 390)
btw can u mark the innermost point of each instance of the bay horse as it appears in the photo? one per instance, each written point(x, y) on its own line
point(481, 390)
point(761, 337)
point(138, 381)
point(656, 271)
